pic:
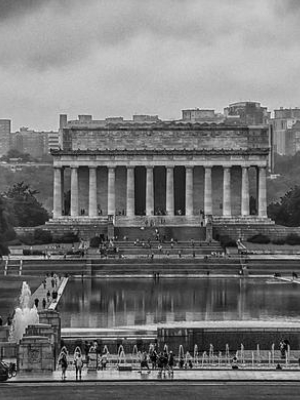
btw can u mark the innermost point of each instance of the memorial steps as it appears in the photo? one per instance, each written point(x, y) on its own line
point(167, 232)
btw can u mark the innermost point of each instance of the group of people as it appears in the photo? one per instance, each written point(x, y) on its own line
point(162, 361)
point(64, 362)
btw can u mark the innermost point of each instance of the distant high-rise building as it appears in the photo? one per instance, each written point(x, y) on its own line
point(33, 142)
point(5, 131)
point(283, 121)
point(252, 113)
point(292, 139)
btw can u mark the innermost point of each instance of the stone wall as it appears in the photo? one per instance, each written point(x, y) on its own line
point(155, 137)
point(52, 318)
point(35, 354)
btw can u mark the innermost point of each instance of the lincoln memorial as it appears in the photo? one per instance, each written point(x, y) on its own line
point(128, 171)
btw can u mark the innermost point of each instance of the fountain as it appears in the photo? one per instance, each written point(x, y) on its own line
point(121, 355)
point(242, 354)
point(196, 355)
point(220, 358)
point(258, 354)
point(273, 353)
point(24, 315)
point(134, 355)
point(227, 354)
point(181, 356)
point(204, 358)
point(211, 353)
point(188, 360)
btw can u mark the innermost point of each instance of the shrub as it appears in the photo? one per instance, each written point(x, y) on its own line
point(15, 242)
point(227, 241)
point(28, 252)
point(68, 237)
point(280, 241)
point(27, 238)
point(259, 238)
point(95, 241)
point(293, 239)
point(9, 234)
point(4, 250)
point(41, 236)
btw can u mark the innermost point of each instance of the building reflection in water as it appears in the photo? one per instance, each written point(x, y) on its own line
point(112, 303)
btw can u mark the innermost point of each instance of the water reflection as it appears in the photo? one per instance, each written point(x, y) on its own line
point(126, 302)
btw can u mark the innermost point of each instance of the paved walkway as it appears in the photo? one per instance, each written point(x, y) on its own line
point(206, 375)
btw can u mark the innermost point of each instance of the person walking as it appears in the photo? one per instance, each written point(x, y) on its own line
point(63, 362)
point(78, 363)
point(171, 362)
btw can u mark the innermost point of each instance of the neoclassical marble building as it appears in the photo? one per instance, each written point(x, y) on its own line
point(131, 171)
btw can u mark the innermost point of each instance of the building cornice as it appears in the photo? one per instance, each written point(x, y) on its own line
point(185, 152)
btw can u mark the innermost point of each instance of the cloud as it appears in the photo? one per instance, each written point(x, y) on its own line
point(53, 36)
point(118, 57)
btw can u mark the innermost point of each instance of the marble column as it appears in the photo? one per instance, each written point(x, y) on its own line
point(149, 191)
point(130, 193)
point(245, 192)
point(74, 192)
point(63, 211)
point(92, 192)
point(111, 196)
point(57, 193)
point(226, 192)
point(262, 192)
point(189, 191)
point(207, 191)
point(170, 191)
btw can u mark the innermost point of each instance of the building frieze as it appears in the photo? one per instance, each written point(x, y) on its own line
point(112, 153)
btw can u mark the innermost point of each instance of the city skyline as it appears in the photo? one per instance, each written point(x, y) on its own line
point(111, 58)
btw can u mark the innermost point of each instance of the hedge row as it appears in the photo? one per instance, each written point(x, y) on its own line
point(40, 236)
point(291, 239)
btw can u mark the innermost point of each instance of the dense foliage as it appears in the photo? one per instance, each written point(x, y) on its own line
point(259, 238)
point(286, 211)
point(22, 207)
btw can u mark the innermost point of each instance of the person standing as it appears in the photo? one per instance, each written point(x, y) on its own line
point(63, 362)
point(78, 364)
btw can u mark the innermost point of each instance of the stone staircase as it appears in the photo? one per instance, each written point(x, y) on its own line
point(159, 220)
point(85, 226)
point(166, 233)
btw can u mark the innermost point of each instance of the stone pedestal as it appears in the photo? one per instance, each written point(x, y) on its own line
point(36, 354)
point(52, 318)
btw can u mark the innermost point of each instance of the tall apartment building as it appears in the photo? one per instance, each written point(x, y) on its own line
point(34, 143)
point(5, 136)
point(292, 139)
point(283, 121)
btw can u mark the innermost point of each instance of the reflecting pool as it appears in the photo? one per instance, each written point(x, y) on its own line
point(112, 303)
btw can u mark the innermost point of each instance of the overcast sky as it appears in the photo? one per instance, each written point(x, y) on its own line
point(122, 57)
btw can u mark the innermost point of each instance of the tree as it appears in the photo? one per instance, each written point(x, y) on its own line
point(6, 230)
point(14, 153)
point(24, 209)
point(286, 211)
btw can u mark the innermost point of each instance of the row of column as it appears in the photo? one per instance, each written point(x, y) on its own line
point(130, 192)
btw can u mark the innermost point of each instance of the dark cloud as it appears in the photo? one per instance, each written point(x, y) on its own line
point(111, 57)
point(17, 8)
